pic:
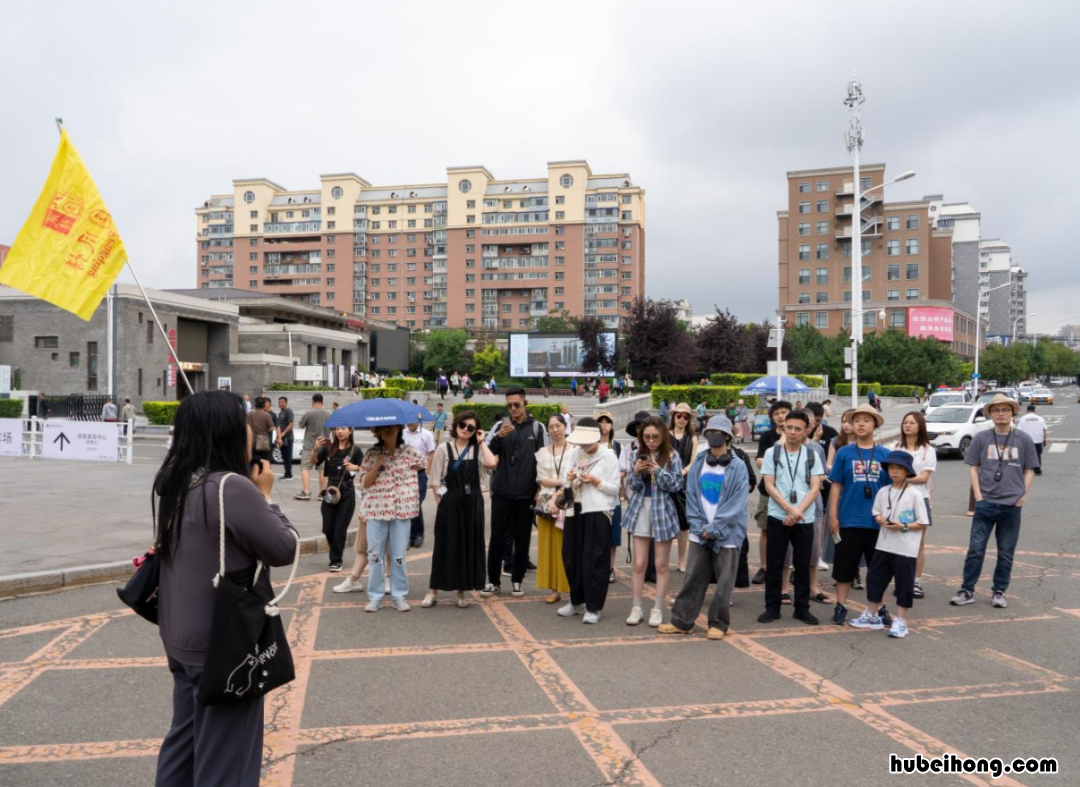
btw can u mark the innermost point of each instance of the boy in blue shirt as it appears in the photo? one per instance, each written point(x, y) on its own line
point(856, 477)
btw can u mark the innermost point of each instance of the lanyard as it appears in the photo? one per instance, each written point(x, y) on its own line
point(1001, 448)
point(867, 492)
point(558, 464)
point(893, 502)
point(793, 474)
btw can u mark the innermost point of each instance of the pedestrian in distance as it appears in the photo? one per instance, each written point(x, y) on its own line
point(573, 386)
point(313, 422)
point(546, 382)
point(455, 383)
point(651, 514)
point(603, 391)
point(1034, 426)
point(684, 441)
point(553, 464)
point(593, 484)
point(340, 460)
point(742, 422)
point(717, 500)
point(127, 415)
point(286, 438)
point(391, 500)
point(108, 411)
point(1002, 468)
point(210, 744)
point(457, 562)
point(900, 512)
point(262, 430)
point(665, 410)
point(702, 411)
point(438, 424)
point(915, 441)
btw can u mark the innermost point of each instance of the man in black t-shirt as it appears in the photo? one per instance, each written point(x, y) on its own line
point(777, 413)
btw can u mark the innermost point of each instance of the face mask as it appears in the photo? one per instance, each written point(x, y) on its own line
point(716, 439)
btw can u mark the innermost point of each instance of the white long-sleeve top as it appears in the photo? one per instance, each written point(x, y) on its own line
point(605, 466)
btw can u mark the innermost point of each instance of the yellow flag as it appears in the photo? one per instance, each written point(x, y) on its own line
point(68, 252)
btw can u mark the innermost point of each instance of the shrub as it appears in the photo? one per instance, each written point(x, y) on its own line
point(743, 379)
point(11, 408)
point(489, 413)
point(404, 383)
point(901, 391)
point(716, 397)
point(382, 393)
point(160, 413)
point(844, 389)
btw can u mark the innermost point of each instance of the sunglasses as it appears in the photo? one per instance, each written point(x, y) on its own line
point(514, 405)
point(683, 416)
point(651, 438)
point(470, 428)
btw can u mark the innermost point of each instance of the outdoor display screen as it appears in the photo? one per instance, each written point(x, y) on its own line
point(559, 354)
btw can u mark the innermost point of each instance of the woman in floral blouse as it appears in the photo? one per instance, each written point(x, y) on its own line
point(391, 500)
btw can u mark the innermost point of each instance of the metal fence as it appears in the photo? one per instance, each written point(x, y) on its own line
point(72, 407)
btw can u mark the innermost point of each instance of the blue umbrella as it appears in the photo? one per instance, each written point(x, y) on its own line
point(370, 413)
point(767, 385)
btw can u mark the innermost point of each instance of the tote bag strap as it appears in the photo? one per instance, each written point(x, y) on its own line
point(271, 608)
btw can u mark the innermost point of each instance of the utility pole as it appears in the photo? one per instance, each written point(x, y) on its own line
point(854, 140)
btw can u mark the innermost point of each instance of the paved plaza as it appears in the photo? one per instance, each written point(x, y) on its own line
point(506, 692)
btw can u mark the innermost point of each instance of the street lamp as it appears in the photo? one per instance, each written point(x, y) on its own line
point(854, 139)
point(1017, 319)
point(978, 331)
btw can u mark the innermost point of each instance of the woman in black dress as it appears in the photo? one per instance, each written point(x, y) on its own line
point(683, 442)
point(457, 562)
point(342, 459)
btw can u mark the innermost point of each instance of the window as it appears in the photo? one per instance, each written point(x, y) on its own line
point(254, 227)
point(912, 270)
point(804, 297)
point(912, 222)
point(911, 246)
point(822, 297)
point(892, 248)
point(330, 225)
point(330, 282)
point(823, 228)
point(254, 214)
point(252, 283)
point(804, 188)
point(804, 275)
point(822, 185)
point(896, 318)
point(869, 319)
point(804, 251)
point(149, 331)
point(865, 183)
point(470, 204)
point(566, 181)
point(912, 294)
point(627, 215)
point(559, 275)
point(560, 290)
point(822, 252)
point(331, 211)
point(249, 197)
point(73, 360)
point(253, 269)
point(411, 224)
point(331, 238)
point(560, 215)
point(822, 206)
point(464, 186)
point(804, 227)
point(560, 200)
point(892, 295)
point(46, 341)
point(892, 223)
point(560, 230)
point(822, 275)
point(821, 320)
point(892, 273)
point(847, 319)
point(802, 318)
point(470, 233)
point(470, 218)
point(91, 365)
point(804, 207)
point(336, 192)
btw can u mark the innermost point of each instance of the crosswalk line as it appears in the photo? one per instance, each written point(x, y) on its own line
point(1059, 448)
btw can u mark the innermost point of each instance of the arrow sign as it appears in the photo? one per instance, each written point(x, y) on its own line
point(62, 438)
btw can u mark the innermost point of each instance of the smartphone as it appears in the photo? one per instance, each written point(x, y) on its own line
point(836, 538)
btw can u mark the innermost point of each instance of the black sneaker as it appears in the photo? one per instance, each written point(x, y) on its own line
point(886, 618)
point(490, 590)
point(809, 618)
point(335, 568)
point(839, 615)
point(767, 617)
point(759, 577)
point(917, 591)
point(516, 589)
point(857, 583)
point(530, 566)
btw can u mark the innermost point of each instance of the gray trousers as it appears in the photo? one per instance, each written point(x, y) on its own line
point(209, 746)
point(702, 564)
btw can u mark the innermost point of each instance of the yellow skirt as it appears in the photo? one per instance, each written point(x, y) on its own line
point(550, 574)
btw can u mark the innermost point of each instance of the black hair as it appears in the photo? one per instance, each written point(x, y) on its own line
point(589, 422)
point(1031, 408)
point(260, 402)
point(779, 404)
point(816, 408)
point(517, 390)
point(209, 436)
point(127, 401)
point(799, 415)
point(283, 398)
point(316, 398)
point(400, 436)
point(460, 418)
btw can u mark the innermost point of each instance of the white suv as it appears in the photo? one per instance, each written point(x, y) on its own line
point(952, 427)
point(942, 398)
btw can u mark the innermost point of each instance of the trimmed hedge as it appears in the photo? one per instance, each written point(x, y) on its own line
point(404, 383)
point(489, 413)
point(743, 379)
point(844, 389)
point(11, 408)
point(382, 393)
point(901, 391)
point(300, 387)
point(716, 397)
point(160, 413)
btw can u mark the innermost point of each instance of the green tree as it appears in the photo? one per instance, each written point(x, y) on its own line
point(657, 349)
point(596, 354)
point(1006, 364)
point(892, 357)
point(723, 344)
point(444, 349)
point(488, 362)
point(812, 352)
point(556, 322)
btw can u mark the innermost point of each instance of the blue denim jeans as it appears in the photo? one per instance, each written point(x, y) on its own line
point(988, 516)
point(379, 531)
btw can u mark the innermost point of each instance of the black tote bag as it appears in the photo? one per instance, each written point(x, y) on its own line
point(249, 655)
point(141, 591)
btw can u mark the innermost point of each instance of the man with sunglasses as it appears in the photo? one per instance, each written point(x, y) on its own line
point(515, 441)
point(1002, 466)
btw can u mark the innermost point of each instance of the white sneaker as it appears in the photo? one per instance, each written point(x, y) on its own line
point(822, 565)
point(898, 629)
point(591, 617)
point(999, 600)
point(400, 604)
point(373, 606)
point(568, 610)
point(635, 616)
point(349, 586)
point(656, 617)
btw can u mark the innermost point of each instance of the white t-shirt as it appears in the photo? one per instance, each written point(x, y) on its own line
point(710, 488)
point(907, 508)
point(422, 440)
point(922, 459)
point(1034, 426)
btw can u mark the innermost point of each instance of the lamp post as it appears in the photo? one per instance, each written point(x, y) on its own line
point(1017, 319)
point(854, 139)
point(978, 332)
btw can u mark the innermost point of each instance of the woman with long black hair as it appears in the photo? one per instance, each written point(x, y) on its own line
point(341, 458)
point(457, 562)
point(216, 744)
point(684, 442)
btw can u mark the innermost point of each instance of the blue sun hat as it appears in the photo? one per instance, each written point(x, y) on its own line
point(900, 459)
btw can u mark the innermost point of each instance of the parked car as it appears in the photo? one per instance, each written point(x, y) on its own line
point(942, 398)
point(1042, 396)
point(298, 447)
point(1025, 393)
point(952, 427)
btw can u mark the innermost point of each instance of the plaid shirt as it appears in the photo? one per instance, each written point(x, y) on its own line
point(664, 519)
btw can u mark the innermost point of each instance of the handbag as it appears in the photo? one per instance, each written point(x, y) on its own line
point(248, 655)
point(141, 591)
point(332, 493)
point(262, 442)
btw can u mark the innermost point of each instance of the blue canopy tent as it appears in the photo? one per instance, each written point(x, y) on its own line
point(763, 386)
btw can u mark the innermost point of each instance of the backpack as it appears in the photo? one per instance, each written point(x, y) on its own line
point(810, 456)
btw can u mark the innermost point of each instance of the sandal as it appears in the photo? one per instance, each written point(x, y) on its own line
point(554, 598)
point(429, 601)
point(785, 598)
point(821, 598)
point(462, 602)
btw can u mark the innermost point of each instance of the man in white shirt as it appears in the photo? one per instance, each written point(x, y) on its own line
point(423, 441)
point(1034, 426)
point(568, 419)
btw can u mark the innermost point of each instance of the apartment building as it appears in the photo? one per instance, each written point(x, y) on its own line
point(1003, 301)
point(473, 251)
point(906, 260)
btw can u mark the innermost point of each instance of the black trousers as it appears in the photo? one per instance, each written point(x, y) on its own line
point(509, 515)
point(801, 538)
point(416, 527)
point(209, 746)
point(335, 524)
point(286, 456)
point(586, 555)
point(1038, 452)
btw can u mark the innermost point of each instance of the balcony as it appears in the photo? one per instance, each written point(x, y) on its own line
point(848, 187)
point(273, 228)
point(846, 209)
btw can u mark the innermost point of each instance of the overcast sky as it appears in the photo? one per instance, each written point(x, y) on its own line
point(705, 105)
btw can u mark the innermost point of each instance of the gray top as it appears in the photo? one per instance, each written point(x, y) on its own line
point(108, 411)
point(255, 530)
point(314, 424)
point(1017, 454)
